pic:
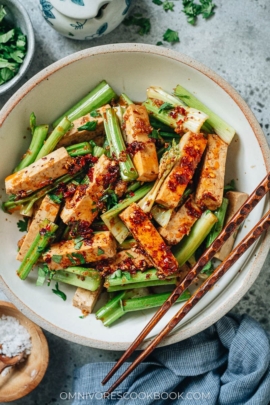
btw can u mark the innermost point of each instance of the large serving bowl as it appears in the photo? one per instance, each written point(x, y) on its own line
point(130, 68)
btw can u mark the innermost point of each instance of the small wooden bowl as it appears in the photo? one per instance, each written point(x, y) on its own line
point(24, 377)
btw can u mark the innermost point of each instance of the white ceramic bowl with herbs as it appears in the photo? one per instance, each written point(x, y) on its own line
point(15, 60)
point(52, 92)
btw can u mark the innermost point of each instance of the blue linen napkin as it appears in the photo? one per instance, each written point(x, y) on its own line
point(227, 364)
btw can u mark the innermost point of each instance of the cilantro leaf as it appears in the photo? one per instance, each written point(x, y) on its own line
point(110, 198)
point(60, 294)
point(208, 269)
point(100, 251)
point(127, 275)
point(71, 259)
point(142, 22)
point(207, 8)
point(168, 5)
point(95, 114)
point(78, 242)
point(22, 224)
point(88, 126)
point(230, 186)
point(157, 2)
point(6, 74)
point(79, 256)
point(56, 258)
point(165, 106)
point(56, 198)
point(159, 43)
point(171, 36)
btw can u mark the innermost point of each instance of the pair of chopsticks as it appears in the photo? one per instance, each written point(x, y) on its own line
point(229, 229)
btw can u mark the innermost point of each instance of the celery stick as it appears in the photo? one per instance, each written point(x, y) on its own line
point(220, 213)
point(221, 128)
point(150, 301)
point(190, 243)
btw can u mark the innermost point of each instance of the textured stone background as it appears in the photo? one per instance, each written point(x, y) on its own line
point(235, 44)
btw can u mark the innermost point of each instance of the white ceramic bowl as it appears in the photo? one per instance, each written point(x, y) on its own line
point(130, 68)
point(20, 18)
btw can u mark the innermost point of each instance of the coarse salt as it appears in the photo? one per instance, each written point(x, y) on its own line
point(14, 338)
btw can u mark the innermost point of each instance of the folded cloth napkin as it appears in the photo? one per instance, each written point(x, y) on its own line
point(227, 364)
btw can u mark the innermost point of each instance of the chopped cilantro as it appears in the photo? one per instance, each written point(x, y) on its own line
point(40, 249)
point(78, 242)
point(56, 258)
point(56, 198)
point(159, 43)
point(100, 251)
point(193, 10)
point(41, 276)
point(59, 293)
point(22, 224)
point(165, 106)
point(80, 257)
point(157, 2)
point(171, 36)
point(12, 48)
point(168, 5)
point(89, 126)
point(110, 198)
point(154, 134)
point(208, 269)
point(127, 275)
point(118, 273)
point(139, 21)
point(95, 114)
point(71, 259)
point(230, 186)
point(81, 317)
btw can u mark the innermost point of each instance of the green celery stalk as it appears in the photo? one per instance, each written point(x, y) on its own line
point(190, 243)
point(221, 128)
point(100, 95)
point(117, 145)
point(79, 149)
point(143, 284)
point(40, 242)
point(89, 279)
point(38, 138)
point(54, 138)
point(109, 306)
point(220, 213)
point(150, 301)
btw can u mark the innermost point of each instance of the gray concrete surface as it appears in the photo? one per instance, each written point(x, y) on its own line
point(234, 43)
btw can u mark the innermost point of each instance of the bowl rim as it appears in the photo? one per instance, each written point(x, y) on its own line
point(262, 247)
point(30, 45)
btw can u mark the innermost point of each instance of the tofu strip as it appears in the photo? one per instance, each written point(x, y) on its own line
point(64, 254)
point(75, 136)
point(83, 205)
point(210, 187)
point(39, 173)
point(48, 209)
point(150, 240)
point(130, 260)
point(86, 300)
point(192, 147)
point(181, 222)
point(137, 127)
point(236, 200)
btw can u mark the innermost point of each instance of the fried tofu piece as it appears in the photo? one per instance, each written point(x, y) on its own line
point(74, 136)
point(192, 147)
point(83, 205)
point(39, 173)
point(181, 222)
point(127, 260)
point(63, 254)
point(137, 127)
point(86, 300)
point(48, 209)
point(236, 200)
point(209, 193)
point(150, 240)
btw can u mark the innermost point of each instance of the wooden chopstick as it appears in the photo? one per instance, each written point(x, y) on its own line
point(237, 252)
point(229, 229)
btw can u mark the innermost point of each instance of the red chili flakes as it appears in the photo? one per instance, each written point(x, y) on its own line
point(80, 228)
point(139, 216)
point(135, 147)
point(79, 162)
point(192, 210)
